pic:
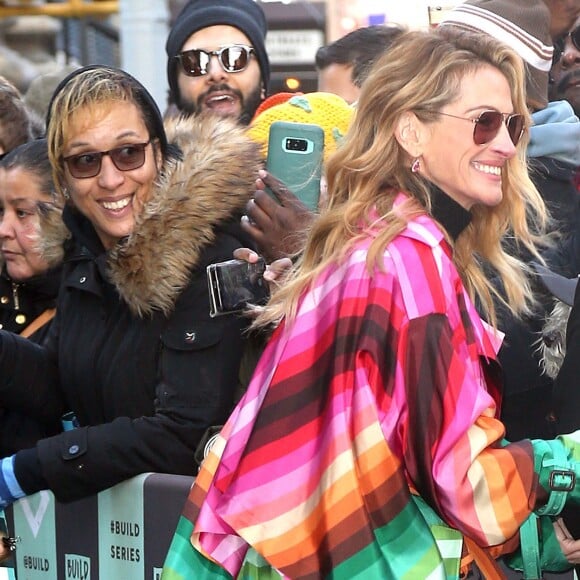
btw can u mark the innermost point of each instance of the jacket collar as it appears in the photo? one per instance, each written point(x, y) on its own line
point(451, 215)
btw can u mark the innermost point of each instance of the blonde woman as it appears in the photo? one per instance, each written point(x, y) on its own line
point(368, 444)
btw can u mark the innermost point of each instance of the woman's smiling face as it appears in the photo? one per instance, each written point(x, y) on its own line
point(469, 173)
point(112, 199)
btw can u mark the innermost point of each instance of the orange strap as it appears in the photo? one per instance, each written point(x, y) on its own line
point(485, 562)
point(39, 322)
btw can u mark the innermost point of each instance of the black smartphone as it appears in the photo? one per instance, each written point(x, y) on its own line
point(295, 153)
point(234, 284)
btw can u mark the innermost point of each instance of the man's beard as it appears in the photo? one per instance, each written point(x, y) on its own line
point(249, 105)
point(560, 86)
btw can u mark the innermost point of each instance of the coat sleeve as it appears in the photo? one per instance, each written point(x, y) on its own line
point(566, 395)
point(198, 364)
point(29, 381)
point(451, 415)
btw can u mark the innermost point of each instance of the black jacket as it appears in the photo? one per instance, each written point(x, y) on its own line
point(527, 406)
point(20, 305)
point(567, 383)
point(133, 350)
point(567, 389)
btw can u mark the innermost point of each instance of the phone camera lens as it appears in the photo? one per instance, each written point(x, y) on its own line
point(296, 144)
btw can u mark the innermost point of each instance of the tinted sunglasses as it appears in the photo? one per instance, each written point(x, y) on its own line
point(233, 58)
point(488, 124)
point(125, 158)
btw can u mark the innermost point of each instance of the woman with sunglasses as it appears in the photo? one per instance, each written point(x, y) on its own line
point(367, 444)
point(132, 351)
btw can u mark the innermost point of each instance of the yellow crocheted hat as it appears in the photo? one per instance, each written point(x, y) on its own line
point(327, 110)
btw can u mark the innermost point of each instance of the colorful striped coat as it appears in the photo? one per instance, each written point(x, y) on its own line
point(384, 383)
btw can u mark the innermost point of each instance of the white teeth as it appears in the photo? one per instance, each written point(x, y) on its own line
point(492, 169)
point(116, 205)
point(220, 98)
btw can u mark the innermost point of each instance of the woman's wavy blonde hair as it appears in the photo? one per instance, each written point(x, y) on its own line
point(421, 73)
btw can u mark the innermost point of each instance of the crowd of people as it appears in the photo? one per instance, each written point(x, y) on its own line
point(390, 396)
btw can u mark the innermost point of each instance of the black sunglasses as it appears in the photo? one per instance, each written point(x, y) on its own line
point(488, 124)
point(233, 58)
point(125, 158)
point(560, 44)
point(573, 35)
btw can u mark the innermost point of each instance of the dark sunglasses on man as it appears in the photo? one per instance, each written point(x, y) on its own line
point(232, 58)
point(560, 44)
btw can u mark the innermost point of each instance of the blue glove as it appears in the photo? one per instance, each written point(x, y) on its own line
point(10, 490)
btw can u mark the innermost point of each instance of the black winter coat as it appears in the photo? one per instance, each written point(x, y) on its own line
point(527, 405)
point(133, 351)
point(20, 305)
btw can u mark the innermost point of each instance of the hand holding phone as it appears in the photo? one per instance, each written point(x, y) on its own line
point(295, 154)
point(234, 284)
point(277, 227)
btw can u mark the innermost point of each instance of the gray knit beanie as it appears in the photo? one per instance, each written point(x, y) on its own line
point(524, 25)
point(245, 15)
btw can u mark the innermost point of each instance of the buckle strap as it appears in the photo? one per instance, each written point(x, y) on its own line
point(561, 481)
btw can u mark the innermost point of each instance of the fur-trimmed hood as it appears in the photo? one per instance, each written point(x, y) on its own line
point(209, 185)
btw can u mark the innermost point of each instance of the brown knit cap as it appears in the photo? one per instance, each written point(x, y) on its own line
point(524, 25)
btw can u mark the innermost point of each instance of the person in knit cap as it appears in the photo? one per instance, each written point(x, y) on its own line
point(217, 60)
point(279, 229)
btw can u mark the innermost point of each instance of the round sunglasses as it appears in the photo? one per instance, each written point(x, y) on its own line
point(233, 58)
point(125, 158)
point(488, 124)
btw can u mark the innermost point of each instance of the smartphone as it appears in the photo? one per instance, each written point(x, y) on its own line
point(234, 284)
point(295, 153)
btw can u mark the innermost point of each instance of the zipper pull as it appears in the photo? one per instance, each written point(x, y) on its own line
point(15, 296)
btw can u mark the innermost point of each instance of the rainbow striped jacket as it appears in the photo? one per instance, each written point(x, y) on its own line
point(383, 383)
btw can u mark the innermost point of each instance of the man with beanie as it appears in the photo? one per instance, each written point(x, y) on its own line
point(216, 58)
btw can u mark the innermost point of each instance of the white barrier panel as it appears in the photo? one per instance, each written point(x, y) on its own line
point(123, 532)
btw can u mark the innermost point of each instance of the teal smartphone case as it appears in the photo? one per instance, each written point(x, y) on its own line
point(295, 155)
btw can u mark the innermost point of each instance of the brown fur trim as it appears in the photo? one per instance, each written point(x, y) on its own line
point(52, 233)
point(214, 181)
